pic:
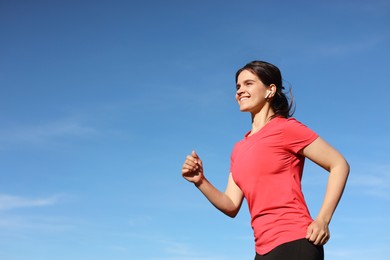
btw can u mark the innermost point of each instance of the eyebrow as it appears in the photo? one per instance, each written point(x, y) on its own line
point(245, 82)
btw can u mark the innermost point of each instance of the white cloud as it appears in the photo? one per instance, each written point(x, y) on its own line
point(184, 251)
point(337, 48)
point(28, 222)
point(373, 180)
point(346, 48)
point(9, 202)
point(8, 220)
point(377, 7)
point(44, 133)
point(140, 220)
point(353, 253)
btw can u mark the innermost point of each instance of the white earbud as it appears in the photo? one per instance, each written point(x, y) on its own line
point(269, 93)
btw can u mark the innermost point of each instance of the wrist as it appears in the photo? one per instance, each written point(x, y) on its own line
point(325, 220)
point(200, 182)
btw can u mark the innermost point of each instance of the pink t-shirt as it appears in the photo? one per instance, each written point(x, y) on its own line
point(268, 169)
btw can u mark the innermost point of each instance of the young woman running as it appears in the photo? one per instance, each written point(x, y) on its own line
point(266, 169)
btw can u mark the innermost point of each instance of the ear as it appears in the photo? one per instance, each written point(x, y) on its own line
point(272, 88)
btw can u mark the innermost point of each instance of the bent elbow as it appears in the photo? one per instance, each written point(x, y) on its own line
point(347, 167)
point(341, 166)
point(231, 214)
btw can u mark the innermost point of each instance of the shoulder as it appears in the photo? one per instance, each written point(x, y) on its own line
point(297, 135)
point(292, 123)
point(286, 123)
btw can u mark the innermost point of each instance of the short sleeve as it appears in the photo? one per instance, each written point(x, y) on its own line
point(297, 135)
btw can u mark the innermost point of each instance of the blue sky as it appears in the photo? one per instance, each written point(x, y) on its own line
point(100, 102)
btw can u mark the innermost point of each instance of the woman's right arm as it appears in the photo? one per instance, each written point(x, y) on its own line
point(229, 202)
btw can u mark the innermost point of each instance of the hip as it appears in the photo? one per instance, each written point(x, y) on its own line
point(300, 249)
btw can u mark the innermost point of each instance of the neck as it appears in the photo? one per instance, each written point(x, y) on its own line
point(259, 120)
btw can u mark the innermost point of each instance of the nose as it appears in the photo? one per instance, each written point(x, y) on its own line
point(239, 91)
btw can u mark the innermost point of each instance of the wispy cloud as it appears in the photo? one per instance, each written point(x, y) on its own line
point(377, 7)
point(375, 253)
point(373, 180)
point(43, 223)
point(10, 202)
point(140, 220)
point(46, 132)
point(345, 48)
point(178, 248)
point(336, 48)
point(13, 220)
point(184, 251)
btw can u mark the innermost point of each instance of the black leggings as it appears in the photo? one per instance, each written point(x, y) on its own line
point(300, 249)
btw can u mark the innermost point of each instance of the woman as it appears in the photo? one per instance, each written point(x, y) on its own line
point(266, 169)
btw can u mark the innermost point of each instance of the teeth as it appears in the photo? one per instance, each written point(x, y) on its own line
point(244, 98)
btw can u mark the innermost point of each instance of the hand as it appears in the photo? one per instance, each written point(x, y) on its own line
point(318, 232)
point(192, 169)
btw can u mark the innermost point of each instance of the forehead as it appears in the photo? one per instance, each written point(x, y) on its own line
point(246, 75)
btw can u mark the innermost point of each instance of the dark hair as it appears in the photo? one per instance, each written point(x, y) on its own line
point(270, 74)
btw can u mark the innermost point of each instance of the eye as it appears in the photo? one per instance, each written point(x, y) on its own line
point(249, 83)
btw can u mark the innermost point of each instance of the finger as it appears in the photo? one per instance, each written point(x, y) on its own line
point(189, 164)
point(317, 240)
point(196, 157)
point(309, 232)
point(189, 169)
point(185, 170)
point(320, 238)
point(313, 236)
point(325, 239)
point(193, 158)
point(189, 172)
point(322, 242)
point(191, 161)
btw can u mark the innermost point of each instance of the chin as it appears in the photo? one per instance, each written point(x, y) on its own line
point(244, 109)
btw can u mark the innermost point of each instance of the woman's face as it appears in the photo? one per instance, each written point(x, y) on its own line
point(251, 92)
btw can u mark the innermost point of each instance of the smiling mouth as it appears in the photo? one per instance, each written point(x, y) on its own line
point(243, 98)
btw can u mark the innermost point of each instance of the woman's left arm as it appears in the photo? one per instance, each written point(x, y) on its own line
point(323, 154)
